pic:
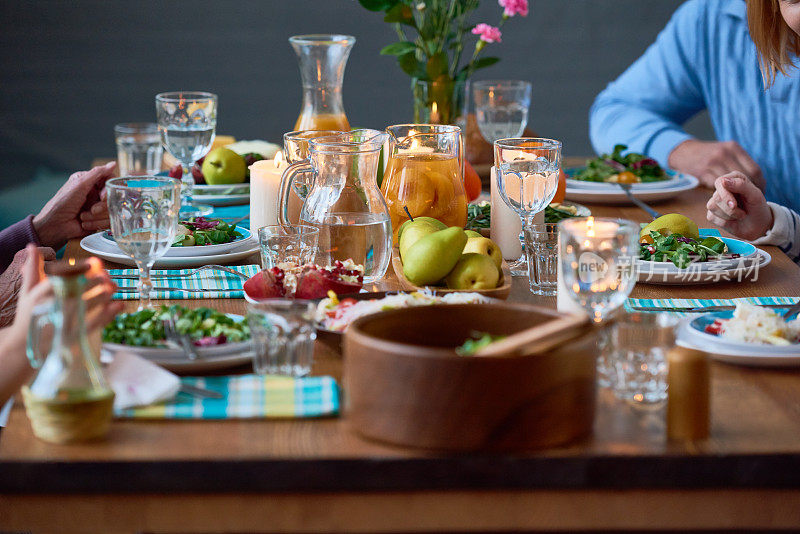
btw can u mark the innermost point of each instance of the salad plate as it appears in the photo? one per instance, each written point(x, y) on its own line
point(210, 358)
point(692, 334)
point(198, 250)
point(732, 270)
point(610, 193)
point(106, 249)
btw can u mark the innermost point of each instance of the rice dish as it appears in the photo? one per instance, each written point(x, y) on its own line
point(759, 325)
point(331, 314)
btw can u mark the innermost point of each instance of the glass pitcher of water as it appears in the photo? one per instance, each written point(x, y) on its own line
point(344, 201)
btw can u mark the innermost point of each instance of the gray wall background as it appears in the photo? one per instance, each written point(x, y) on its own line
point(71, 70)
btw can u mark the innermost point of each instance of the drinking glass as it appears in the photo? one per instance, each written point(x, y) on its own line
point(139, 150)
point(501, 107)
point(527, 180)
point(144, 219)
point(597, 262)
point(636, 356)
point(283, 333)
point(280, 244)
point(187, 121)
point(541, 247)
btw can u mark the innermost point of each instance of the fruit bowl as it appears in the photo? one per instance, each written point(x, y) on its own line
point(501, 292)
point(406, 385)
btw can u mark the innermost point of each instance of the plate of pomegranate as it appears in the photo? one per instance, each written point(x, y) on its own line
point(309, 281)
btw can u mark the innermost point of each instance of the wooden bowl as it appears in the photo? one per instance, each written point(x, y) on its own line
point(501, 292)
point(404, 383)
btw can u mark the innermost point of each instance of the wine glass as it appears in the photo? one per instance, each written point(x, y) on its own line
point(501, 107)
point(598, 262)
point(144, 219)
point(527, 179)
point(187, 121)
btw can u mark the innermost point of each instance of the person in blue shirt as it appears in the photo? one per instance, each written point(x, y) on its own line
point(737, 205)
point(705, 59)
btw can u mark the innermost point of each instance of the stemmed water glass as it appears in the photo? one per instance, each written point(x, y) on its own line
point(527, 179)
point(144, 219)
point(187, 121)
point(501, 107)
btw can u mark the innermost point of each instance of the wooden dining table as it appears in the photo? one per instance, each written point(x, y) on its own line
point(316, 475)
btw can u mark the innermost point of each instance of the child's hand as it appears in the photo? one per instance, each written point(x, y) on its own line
point(739, 207)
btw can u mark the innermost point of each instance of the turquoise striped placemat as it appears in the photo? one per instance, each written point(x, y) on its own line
point(248, 397)
point(659, 304)
point(223, 285)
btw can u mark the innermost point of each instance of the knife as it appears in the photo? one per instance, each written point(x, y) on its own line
point(701, 309)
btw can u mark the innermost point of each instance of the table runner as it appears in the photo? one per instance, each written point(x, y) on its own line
point(659, 304)
point(248, 397)
point(226, 285)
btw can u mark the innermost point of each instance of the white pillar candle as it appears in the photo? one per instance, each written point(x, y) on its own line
point(265, 183)
point(505, 222)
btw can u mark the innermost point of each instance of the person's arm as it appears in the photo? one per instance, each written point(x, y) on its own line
point(739, 207)
point(15, 238)
point(646, 106)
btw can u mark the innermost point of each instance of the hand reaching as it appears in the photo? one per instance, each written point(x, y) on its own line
point(739, 207)
point(709, 159)
point(77, 209)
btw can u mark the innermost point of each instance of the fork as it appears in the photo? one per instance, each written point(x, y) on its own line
point(186, 275)
point(163, 288)
point(182, 340)
point(650, 211)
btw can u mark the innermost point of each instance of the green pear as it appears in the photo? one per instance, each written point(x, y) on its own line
point(485, 246)
point(472, 233)
point(413, 233)
point(432, 257)
point(439, 225)
point(473, 271)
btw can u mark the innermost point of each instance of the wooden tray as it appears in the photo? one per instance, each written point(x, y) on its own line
point(500, 292)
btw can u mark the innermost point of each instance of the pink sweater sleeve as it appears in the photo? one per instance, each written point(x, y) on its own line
point(15, 238)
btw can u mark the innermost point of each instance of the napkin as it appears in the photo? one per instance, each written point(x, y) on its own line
point(248, 397)
point(225, 285)
point(139, 382)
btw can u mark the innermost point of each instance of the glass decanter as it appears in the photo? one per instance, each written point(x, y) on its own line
point(68, 399)
point(322, 62)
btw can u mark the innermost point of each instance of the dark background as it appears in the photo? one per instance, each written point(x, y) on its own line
point(71, 70)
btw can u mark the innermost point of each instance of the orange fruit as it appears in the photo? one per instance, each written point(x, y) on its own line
point(562, 186)
point(472, 182)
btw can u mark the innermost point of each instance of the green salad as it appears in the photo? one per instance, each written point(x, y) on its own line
point(476, 342)
point(630, 168)
point(682, 250)
point(199, 231)
point(205, 326)
point(480, 215)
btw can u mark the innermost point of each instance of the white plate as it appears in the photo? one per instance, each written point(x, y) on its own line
point(205, 250)
point(99, 246)
point(222, 190)
point(613, 194)
point(210, 358)
point(672, 181)
point(738, 353)
point(222, 200)
point(667, 274)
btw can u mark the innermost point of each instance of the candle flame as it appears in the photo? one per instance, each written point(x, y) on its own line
point(590, 227)
point(279, 159)
point(71, 261)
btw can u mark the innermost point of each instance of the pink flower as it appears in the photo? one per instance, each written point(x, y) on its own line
point(488, 34)
point(514, 7)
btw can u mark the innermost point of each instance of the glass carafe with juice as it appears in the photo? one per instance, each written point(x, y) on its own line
point(344, 201)
point(322, 61)
point(424, 176)
point(68, 399)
